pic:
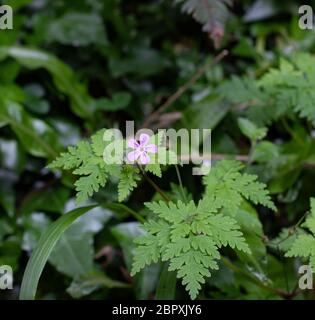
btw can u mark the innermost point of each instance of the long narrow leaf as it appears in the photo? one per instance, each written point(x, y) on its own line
point(44, 248)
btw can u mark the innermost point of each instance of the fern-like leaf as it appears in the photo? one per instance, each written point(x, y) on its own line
point(211, 14)
point(86, 160)
point(229, 186)
point(188, 237)
point(128, 181)
point(304, 244)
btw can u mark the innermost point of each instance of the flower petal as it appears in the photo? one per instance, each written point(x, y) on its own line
point(152, 148)
point(144, 139)
point(133, 144)
point(144, 158)
point(133, 155)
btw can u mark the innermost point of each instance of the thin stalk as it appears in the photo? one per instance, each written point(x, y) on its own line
point(154, 185)
point(180, 183)
point(291, 132)
point(135, 214)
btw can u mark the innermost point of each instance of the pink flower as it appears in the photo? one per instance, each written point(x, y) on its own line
point(141, 149)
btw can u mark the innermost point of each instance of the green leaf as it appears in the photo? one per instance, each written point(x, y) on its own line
point(188, 237)
point(310, 221)
point(146, 280)
point(91, 282)
point(211, 14)
point(87, 185)
point(304, 244)
point(35, 135)
point(48, 199)
point(7, 198)
point(77, 29)
point(75, 157)
point(206, 113)
point(229, 186)
point(34, 224)
point(88, 161)
point(120, 100)
point(250, 130)
point(128, 181)
point(142, 61)
point(73, 255)
point(42, 252)
point(64, 78)
point(166, 288)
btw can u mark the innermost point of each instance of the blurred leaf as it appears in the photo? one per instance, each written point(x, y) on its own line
point(119, 101)
point(141, 61)
point(245, 48)
point(166, 288)
point(260, 10)
point(250, 130)
point(77, 29)
point(9, 71)
point(34, 225)
point(253, 233)
point(146, 281)
point(7, 198)
point(12, 92)
point(64, 78)
point(91, 282)
point(73, 254)
point(205, 113)
point(68, 131)
point(264, 151)
point(34, 101)
point(10, 251)
point(12, 155)
point(45, 199)
point(5, 229)
point(17, 4)
point(34, 134)
point(284, 180)
point(212, 14)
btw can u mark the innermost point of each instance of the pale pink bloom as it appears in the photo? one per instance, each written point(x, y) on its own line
point(141, 149)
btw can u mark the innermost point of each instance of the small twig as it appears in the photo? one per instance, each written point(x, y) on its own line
point(165, 120)
point(134, 214)
point(155, 115)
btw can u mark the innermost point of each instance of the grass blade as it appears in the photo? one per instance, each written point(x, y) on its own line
point(43, 249)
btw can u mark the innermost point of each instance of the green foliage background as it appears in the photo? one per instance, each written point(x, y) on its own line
point(71, 68)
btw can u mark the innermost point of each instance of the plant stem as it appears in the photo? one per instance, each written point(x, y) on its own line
point(155, 186)
point(291, 132)
point(166, 288)
point(134, 214)
point(180, 183)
